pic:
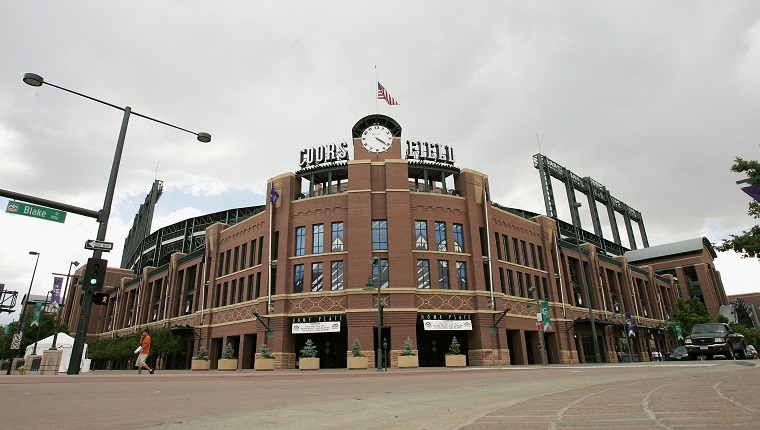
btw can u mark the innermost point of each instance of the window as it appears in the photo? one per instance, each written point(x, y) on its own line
point(316, 276)
point(458, 238)
point(501, 279)
point(253, 252)
point(221, 265)
point(241, 288)
point(516, 249)
point(420, 235)
point(498, 248)
point(225, 291)
point(298, 278)
point(261, 249)
point(380, 274)
point(528, 283)
point(337, 236)
point(510, 283)
point(227, 262)
point(440, 236)
point(545, 285)
point(218, 294)
point(541, 258)
point(318, 239)
point(258, 284)
point(336, 278)
point(300, 240)
point(462, 275)
point(379, 235)
point(520, 288)
point(505, 245)
point(423, 274)
point(233, 290)
point(443, 275)
point(243, 252)
point(524, 249)
point(236, 260)
point(533, 256)
point(249, 296)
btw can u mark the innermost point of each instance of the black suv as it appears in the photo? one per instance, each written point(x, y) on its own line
point(715, 339)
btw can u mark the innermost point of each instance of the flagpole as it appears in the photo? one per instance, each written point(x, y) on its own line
point(377, 107)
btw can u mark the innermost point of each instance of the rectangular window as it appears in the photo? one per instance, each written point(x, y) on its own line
point(498, 248)
point(337, 237)
point(250, 288)
point(298, 278)
point(318, 239)
point(528, 283)
point(505, 245)
point(233, 291)
point(443, 275)
point(225, 292)
point(539, 290)
point(420, 235)
point(241, 288)
point(462, 275)
point(510, 283)
point(533, 256)
point(380, 274)
point(336, 277)
point(516, 249)
point(524, 255)
point(236, 260)
point(300, 240)
point(253, 252)
point(423, 274)
point(440, 236)
point(220, 271)
point(243, 252)
point(316, 277)
point(458, 238)
point(501, 278)
point(379, 235)
point(546, 288)
point(258, 284)
point(227, 257)
point(261, 249)
point(218, 295)
point(520, 287)
point(541, 258)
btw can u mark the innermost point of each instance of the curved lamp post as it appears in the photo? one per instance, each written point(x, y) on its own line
point(84, 319)
point(23, 309)
point(60, 306)
point(370, 286)
point(585, 287)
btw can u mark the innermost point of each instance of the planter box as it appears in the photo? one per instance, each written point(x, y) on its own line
point(408, 361)
point(200, 364)
point(227, 364)
point(458, 360)
point(308, 364)
point(264, 364)
point(358, 363)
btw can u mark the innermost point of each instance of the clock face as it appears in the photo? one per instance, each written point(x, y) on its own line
point(377, 138)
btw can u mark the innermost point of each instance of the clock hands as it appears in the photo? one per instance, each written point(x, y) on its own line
point(380, 140)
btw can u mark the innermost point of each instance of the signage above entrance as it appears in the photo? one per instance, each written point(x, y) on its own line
point(316, 327)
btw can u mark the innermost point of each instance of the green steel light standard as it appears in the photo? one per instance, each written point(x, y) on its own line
point(23, 311)
point(84, 318)
point(531, 290)
point(370, 286)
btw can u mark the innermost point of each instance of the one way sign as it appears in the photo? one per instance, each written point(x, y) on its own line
point(98, 246)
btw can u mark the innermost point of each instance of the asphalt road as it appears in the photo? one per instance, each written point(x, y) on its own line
point(666, 395)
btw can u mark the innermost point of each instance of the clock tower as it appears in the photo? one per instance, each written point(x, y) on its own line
point(377, 138)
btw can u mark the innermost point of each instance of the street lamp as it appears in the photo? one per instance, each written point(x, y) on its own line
point(531, 290)
point(585, 287)
point(371, 285)
point(60, 306)
point(23, 310)
point(84, 318)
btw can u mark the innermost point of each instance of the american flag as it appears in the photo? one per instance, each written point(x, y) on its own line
point(382, 93)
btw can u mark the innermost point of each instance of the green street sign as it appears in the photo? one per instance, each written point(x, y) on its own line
point(35, 211)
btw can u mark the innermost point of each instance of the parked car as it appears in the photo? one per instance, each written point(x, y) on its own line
point(713, 339)
point(751, 352)
point(679, 354)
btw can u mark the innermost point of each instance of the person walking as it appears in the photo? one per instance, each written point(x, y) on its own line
point(143, 352)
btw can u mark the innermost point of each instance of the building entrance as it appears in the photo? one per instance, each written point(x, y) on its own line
point(331, 348)
point(434, 344)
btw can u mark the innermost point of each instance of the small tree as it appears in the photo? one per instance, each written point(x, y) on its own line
point(265, 352)
point(309, 350)
point(408, 348)
point(229, 352)
point(454, 347)
point(202, 354)
point(356, 349)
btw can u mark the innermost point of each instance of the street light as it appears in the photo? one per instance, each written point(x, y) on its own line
point(60, 306)
point(23, 310)
point(585, 287)
point(370, 286)
point(531, 290)
point(84, 318)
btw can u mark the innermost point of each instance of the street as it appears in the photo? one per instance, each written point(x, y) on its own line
point(670, 395)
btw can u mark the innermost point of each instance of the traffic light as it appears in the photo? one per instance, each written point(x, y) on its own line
point(100, 299)
point(94, 274)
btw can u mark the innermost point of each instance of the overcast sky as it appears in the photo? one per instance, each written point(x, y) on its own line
point(651, 99)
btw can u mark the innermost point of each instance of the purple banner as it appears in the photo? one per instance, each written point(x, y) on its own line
point(57, 284)
point(629, 324)
point(753, 191)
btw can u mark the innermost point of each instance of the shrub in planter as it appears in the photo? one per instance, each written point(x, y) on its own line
point(453, 357)
point(228, 360)
point(357, 360)
point(309, 359)
point(200, 361)
point(265, 361)
point(407, 357)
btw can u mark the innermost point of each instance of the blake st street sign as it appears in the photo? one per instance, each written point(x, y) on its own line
point(34, 211)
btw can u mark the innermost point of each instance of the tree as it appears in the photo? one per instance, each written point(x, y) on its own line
point(748, 243)
point(690, 312)
point(46, 328)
